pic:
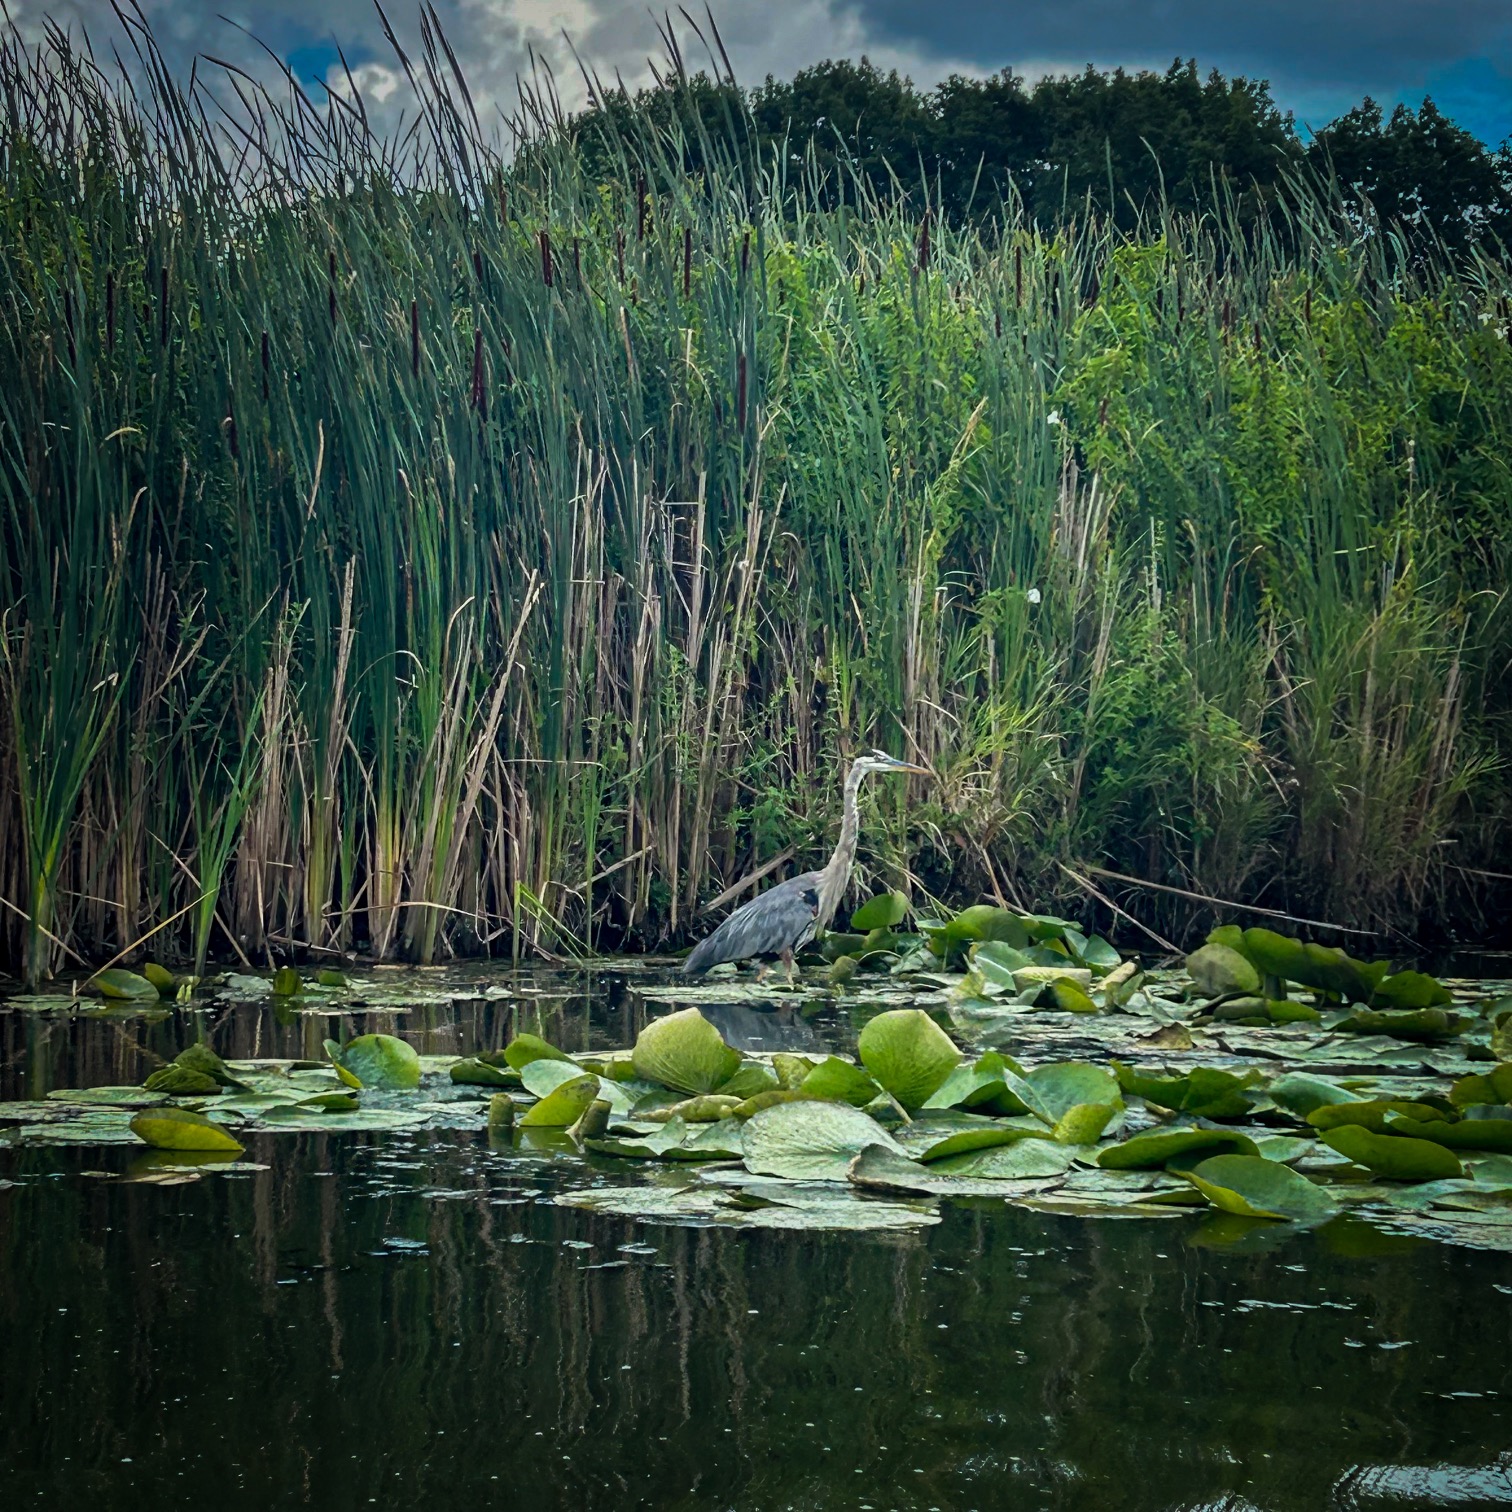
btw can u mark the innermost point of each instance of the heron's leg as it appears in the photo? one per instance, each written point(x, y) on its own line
point(761, 971)
point(787, 960)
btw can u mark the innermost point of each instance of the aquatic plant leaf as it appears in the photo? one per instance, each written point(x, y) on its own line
point(1301, 1094)
point(981, 1084)
point(677, 1140)
point(1100, 956)
point(296, 1118)
point(790, 1070)
point(809, 1141)
point(838, 1080)
point(1251, 1187)
point(524, 1048)
point(1494, 1134)
point(773, 1097)
point(473, 1072)
point(179, 1129)
point(1500, 1015)
point(346, 1077)
point(564, 1105)
point(881, 912)
point(908, 1053)
point(1023, 1160)
point(830, 1208)
point(752, 1078)
point(879, 1170)
point(1204, 1091)
point(1050, 1092)
point(980, 1134)
point(160, 977)
point(1068, 996)
point(707, 1107)
point(1493, 1170)
point(286, 982)
point(327, 1102)
point(1411, 989)
point(1413, 1024)
point(109, 1097)
point(1488, 1087)
point(996, 962)
point(328, 976)
point(543, 1077)
point(1393, 1155)
point(684, 1051)
point(381, 1061)
point(1036, 974)
point(1368, 1113)
point(125, 986)
point(1155, 1148)
point(1218, 971)
point(1084, 1123)
point(180, 1081)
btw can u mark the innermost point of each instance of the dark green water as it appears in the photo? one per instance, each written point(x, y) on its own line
point(404, 1321)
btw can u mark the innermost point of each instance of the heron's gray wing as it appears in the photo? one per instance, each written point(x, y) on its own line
point(781, 918)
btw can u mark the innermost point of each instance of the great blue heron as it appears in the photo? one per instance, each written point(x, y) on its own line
point(786, 917)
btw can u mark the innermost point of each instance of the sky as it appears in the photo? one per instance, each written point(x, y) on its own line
point(1320, 56)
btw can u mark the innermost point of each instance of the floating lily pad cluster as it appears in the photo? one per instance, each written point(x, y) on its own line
point(1269, 1079)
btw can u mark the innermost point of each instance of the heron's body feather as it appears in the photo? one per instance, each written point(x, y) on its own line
point(786, 917)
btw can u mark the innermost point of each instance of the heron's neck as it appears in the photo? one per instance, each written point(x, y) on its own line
point(835, 877)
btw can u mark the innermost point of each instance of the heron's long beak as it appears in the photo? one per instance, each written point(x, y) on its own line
point(908, 766)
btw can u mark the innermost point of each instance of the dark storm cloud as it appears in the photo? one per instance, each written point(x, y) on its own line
point(1380, 45)
point(1321, 56)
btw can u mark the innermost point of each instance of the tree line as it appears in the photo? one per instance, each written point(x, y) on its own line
point(1111, 143)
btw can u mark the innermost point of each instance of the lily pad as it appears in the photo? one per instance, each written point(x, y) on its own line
point(982, 1084)
point(1218, 971)
point(473, 1072)
point(382, 1061)
point(1024, 1160)
point(364, 1120)
point(1251, 1187)
point(564, 1105)
point(180, 1081)
point(837, 1080)
point(1159, 1147)
point(160, 977)
point(796, 1208)
point(908, 1053)
point(1204, 1091)
point(684, 1051)
point(810, 1141)
point(125, 986)
point(752, 1078)
point(1051, 1092)
point(1411, 989)
point(1416, 1024)
point(179, 1129)
point(1368, 1113)
point(677, 1140)
point(881, 912)
point(524, 1048)
point(1494, 1134)
point(109, 1097)
point(1301, 1094)
point(1394, 1156)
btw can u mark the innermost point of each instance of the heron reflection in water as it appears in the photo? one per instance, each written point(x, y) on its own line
point(786, 917)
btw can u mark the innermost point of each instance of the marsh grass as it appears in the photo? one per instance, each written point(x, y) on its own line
point(412, 548)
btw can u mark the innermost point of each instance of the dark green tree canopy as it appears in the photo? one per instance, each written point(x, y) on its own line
point(1111, 143)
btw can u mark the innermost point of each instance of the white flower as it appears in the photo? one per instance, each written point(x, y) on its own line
point(1053, 418)
point(1033, 595)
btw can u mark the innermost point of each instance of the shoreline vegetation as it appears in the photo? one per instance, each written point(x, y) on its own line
point(408, 549)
